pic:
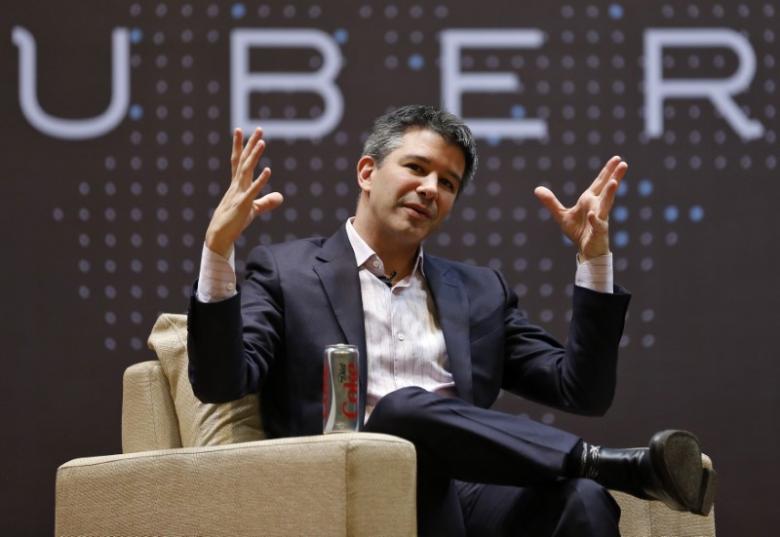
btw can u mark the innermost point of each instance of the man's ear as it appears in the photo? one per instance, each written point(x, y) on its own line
point(365, 172)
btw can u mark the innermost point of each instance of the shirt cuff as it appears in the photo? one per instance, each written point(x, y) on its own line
point(217, 280)
point(595, 274)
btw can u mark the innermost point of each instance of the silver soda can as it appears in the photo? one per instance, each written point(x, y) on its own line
point(340, 389)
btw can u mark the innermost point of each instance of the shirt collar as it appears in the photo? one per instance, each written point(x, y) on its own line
point(363, 252)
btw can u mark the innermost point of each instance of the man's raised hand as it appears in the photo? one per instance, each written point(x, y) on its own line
point(240, 205)
point(586, 223)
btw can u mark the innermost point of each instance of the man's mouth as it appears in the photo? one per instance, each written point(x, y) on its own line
point(420, 210)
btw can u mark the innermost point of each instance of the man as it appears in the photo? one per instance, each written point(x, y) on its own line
point(437, 340)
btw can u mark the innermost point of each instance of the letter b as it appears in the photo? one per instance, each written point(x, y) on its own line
point(244, 82)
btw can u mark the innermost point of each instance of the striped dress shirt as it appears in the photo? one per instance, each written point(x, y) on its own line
point(404, 341)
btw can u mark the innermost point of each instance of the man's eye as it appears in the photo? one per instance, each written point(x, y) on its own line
point(414, 167)
point(449, 185)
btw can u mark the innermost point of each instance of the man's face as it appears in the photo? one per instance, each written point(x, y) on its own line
point(409, 195)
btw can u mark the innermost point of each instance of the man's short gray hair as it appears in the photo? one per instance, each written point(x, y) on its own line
point(388, 130)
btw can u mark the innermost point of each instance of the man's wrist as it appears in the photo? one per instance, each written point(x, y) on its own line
point(221, 247)
point(595, 273)
point(217, 280)
point(583, 258)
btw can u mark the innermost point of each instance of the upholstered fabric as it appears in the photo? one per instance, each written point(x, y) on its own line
point(200, 424)
point(335, 485)
point(148, 417)
point(640, 518)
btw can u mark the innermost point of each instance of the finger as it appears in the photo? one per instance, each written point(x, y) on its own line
point(620, 171)
point(257, 185)
point(599, 226)
point(250, 145)
point(250, 163)
point(607, 199)
point(238, 140)
point(549, 200)
point(269, 202)
point(604, 175)
point(607, 196)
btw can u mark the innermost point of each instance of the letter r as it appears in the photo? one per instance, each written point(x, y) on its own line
point(719, 91)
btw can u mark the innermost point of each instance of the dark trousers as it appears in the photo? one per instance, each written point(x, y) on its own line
point(485, 473)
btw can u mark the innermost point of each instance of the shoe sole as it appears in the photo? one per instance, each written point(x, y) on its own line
point(676, 457)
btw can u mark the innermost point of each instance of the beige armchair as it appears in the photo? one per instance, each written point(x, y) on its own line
point(190, 468)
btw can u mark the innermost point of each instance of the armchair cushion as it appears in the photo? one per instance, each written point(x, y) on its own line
point(200, 424)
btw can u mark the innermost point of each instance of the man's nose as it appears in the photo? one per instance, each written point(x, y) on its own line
point(429, 186)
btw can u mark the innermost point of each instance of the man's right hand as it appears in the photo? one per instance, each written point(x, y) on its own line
point(239, 205)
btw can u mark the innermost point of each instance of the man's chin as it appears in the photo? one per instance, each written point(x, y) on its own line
point(411, 232)
point(420, 230)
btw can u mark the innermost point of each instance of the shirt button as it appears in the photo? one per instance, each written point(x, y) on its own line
point(375, 263)
point(401, 337)
point(231, 287)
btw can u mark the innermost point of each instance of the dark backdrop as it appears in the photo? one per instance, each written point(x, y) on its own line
point(100, 234)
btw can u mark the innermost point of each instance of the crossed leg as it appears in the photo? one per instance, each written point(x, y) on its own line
point(510, 471)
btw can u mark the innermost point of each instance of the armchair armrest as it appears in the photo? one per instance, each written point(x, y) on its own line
point(148, 414)
point(347, 484)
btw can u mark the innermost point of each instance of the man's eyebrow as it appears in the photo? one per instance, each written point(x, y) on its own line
point(428, 161)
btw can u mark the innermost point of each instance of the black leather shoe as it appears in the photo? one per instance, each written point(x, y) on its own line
point(670, 470)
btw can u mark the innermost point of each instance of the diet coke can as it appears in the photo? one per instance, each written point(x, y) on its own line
point(340, 389)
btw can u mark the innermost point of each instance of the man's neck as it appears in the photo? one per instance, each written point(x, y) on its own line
point(398, 259)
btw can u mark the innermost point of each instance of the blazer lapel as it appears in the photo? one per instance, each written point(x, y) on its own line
point(452, 306)
point(338, 274)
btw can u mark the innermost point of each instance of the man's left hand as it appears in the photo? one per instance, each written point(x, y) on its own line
point(586, 223)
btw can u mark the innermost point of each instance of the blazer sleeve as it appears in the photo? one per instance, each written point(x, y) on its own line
point(579, 376)
point(233, 343)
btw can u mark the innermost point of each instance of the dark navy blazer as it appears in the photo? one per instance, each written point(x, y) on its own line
point(303, 295)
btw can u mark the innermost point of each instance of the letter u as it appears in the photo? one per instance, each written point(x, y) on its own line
point(73, 129)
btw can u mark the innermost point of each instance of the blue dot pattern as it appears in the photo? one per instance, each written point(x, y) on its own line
point(167, 171)
point(238, 10)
